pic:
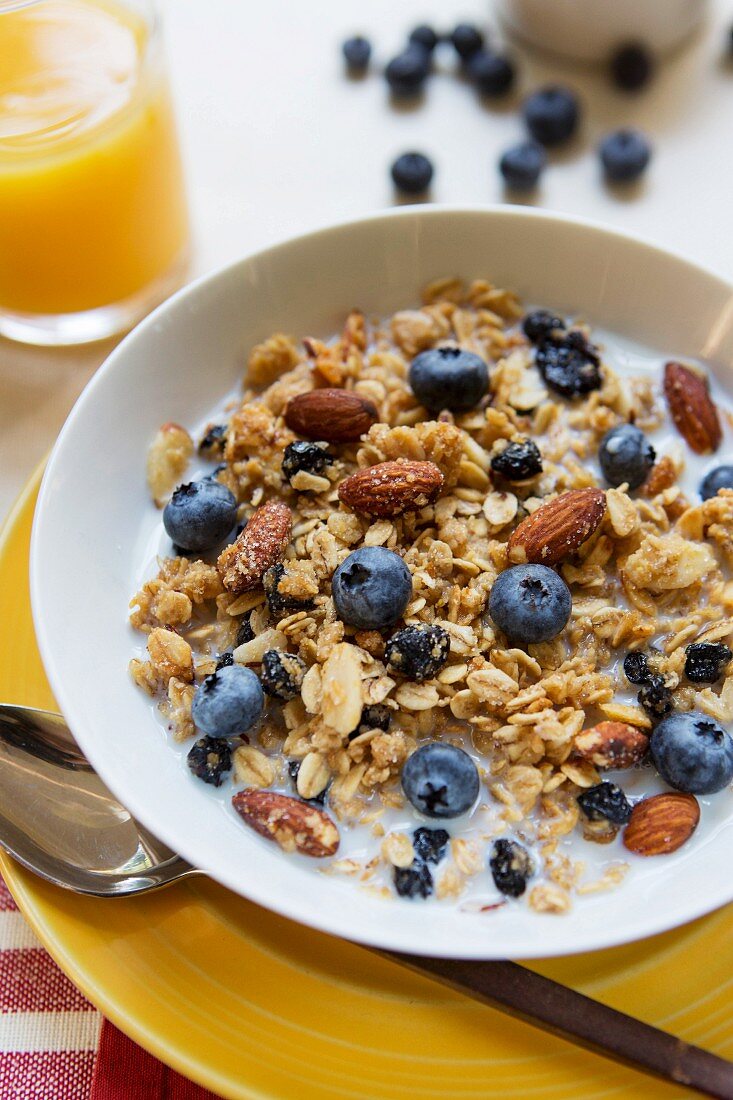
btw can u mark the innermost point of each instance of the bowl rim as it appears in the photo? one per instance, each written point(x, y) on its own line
point(567, 945)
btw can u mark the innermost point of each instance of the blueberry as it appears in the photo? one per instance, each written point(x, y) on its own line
point(540, 324)
point(357, 51)
point(624, 155)
point(282, 674)
point(467, 40)
point(371, 588)
point(413, 882)
point(224, 660)
point(655, 697)
point(569, 364)
point(209, 759)
point(530, 603)
point(407, 72)
point(552, 114)
point(418, 652)
point(625, 454)
point(636, 668)
point(199, 515)
point(213, 442)
point(492, 73)
point(522, 165)
point(412, 173)
point(692, 753)
point(228, 702)
point(719, 478)
point(279, 601)
point(375, 716)
point(631, 67)
point(449, 378)
point(705, 661)
point(306, 457)
point(424, 36)
point(510, 865)
point(440, 780)
point(518, 461)
point(605, 802)
point(429, 844)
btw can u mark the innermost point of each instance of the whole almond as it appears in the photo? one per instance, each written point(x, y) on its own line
point(296, 826)
point(259, 546)
point(661, 824)
point(556, 529)
point(612, 745)
point(337, 416)
point(392, 488)
point(692, 408)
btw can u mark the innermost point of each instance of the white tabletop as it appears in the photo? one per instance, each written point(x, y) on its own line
point(277, 141)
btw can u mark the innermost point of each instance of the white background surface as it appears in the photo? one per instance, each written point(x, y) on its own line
point(277, 141)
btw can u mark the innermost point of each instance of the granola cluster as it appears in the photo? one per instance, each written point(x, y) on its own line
point(654, 572)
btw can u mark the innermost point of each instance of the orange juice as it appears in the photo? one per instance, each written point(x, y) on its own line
point(92, 206)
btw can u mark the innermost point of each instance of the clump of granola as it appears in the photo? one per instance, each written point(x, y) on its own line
point(349, 705)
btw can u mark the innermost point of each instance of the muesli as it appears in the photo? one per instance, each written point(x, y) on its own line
point(439, 574)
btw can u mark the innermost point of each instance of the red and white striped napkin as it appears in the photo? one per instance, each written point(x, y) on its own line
point(54, 1045)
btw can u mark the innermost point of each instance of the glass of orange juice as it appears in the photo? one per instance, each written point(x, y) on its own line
point(93, 219)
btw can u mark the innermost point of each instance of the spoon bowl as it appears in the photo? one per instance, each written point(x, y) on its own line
point(60, 821)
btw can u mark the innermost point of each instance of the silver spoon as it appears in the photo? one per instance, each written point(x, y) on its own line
point(59, 820)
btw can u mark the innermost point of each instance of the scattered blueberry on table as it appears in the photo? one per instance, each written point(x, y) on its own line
point(425, 36)
point(631, 67)
point(407, 72)
point(493, 74)
point(530, 603)
point(467, 40)
point(200, 515)
point(412, 173)
point(626, 455)
point(692, 753)
point(440, 780)
point(448, 378)
point(371, 588)
point(552, 114)
point(228, 703)
point(522, 165)
point(625, 155)
point(357, 52)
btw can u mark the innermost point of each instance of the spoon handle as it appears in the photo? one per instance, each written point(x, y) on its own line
point(570, 1015)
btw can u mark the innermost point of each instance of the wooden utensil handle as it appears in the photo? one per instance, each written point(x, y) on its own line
point(579, 1019)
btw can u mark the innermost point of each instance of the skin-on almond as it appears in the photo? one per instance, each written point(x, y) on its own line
point(260, 545)
point(337, 416)
point(691, 408)
point(556, 529)
point(392, 488)
point(296, 826)
point(612, 745)
point(661, 824)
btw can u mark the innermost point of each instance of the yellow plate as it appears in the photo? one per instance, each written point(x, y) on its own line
point(251, 1005)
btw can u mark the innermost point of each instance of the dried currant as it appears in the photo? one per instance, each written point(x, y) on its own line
point(569, 364)
point(540, 324)
point(305, 457)
point(376, 716)
point(413, 882)
point(418, 652)
point(277, 600)
point(429, 844)
point(636, 668)
point(655, 697)
point(245, 632)
point(705, 661)
point(226, 658)
point(282, 674)
point(518, 461)
point(214, 441)
point(210, 759)
point(605, 802)
point(510, 865)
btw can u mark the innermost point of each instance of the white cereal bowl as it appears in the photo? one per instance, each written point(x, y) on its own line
point(94, 525)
